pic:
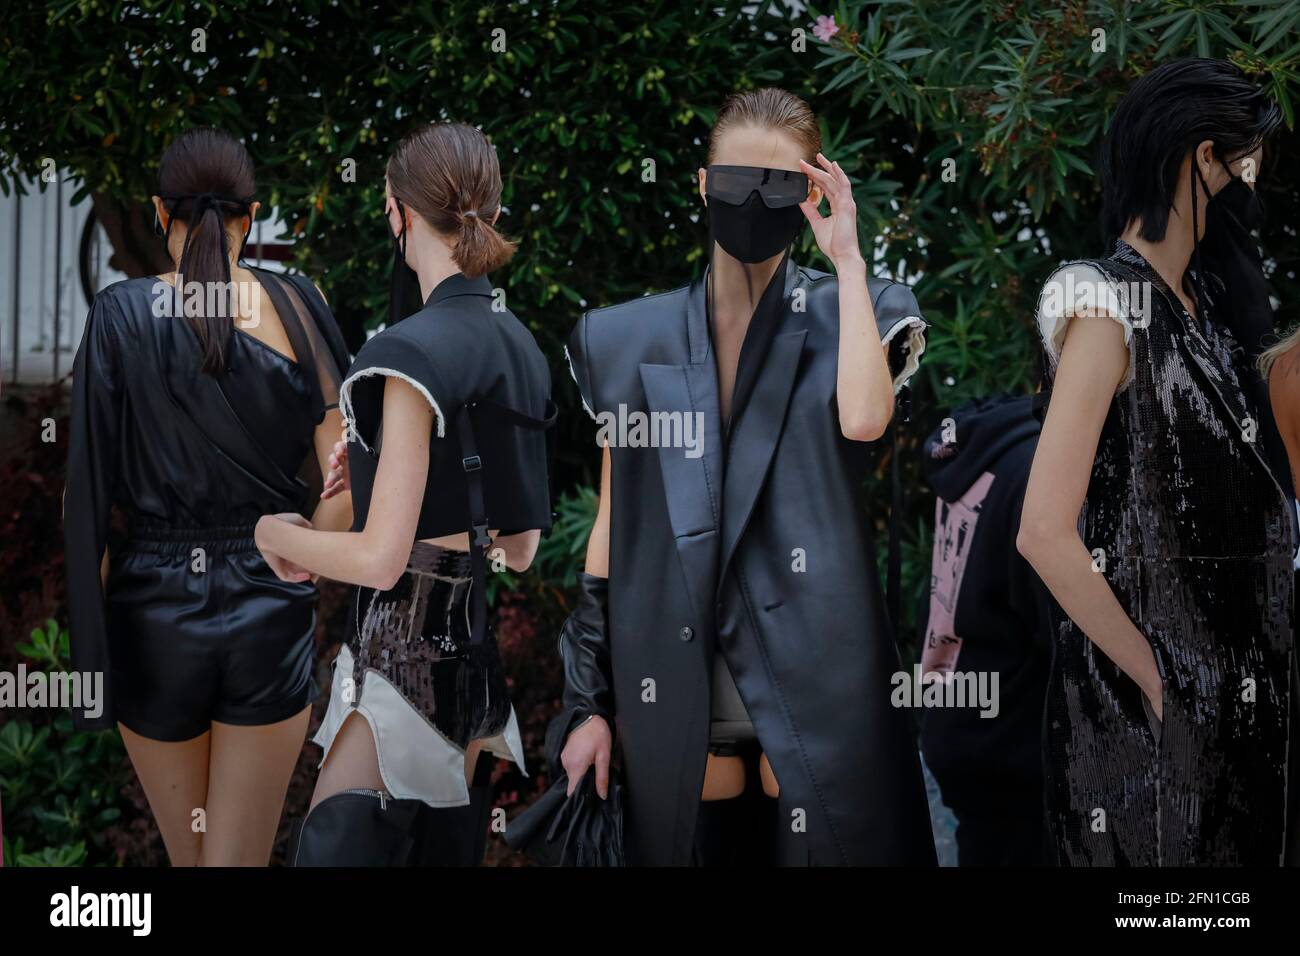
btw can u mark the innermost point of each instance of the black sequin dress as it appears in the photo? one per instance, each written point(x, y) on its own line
point(1194, 535)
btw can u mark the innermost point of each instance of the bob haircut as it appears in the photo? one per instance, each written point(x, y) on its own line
point(1162, 117)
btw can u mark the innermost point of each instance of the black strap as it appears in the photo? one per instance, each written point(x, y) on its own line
point(894, 562)
point(479, 540)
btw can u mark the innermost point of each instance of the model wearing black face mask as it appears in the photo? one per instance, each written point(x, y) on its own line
point(751, 232)
point(1229, 252)
point(765, 221)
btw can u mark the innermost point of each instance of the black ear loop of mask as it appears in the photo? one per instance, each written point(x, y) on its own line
point(404, 296)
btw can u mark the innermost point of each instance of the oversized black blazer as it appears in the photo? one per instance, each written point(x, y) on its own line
point(761, 546)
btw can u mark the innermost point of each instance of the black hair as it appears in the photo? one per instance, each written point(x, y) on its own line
point(1164, 116)
point(206, 179)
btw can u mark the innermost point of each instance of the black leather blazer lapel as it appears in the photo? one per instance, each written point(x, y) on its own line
point(692, 485)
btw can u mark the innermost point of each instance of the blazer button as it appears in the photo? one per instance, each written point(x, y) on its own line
point(686, 633)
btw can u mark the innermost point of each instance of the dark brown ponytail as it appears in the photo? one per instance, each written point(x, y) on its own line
point(448, 173)
point(205, 180)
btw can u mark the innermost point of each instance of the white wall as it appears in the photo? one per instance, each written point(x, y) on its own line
point(47, 267)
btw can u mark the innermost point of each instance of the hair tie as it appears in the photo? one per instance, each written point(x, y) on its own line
point(469, 214)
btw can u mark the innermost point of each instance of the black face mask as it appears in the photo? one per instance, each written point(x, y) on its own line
point(754, 212)
point(1230, 253)
point(404, 296)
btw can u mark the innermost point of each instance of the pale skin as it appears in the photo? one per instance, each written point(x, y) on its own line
point(1284, 397)
point(236, 775)
point(376, 556)
point(1094, 360)
point(864, 388)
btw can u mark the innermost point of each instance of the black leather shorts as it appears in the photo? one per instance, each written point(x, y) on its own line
point(201, 630)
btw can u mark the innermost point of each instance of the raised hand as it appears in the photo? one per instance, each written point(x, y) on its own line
point(836, 234)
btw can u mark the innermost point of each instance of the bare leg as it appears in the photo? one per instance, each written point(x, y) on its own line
point(770, 786)
point(249, 775)
point(352, 762)
point(175, 780)
point(471, 760)
point(724, 778)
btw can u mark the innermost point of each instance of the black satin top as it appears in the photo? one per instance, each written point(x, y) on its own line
point(180, 450)
point(462, 347)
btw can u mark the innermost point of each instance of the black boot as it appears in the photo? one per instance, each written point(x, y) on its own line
point(355, 828)
point(457, 836)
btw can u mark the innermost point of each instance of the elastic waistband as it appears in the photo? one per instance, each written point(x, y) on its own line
point(168, 539)
point(439, 562)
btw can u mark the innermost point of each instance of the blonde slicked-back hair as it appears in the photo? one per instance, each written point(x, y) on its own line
point(1274, 352)
point(769, 108)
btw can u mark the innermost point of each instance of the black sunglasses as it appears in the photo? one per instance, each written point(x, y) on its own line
point(735, 184)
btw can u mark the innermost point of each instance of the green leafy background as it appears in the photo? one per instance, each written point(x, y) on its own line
point(1013, 94)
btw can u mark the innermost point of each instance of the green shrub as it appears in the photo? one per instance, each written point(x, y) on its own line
point(62, 788)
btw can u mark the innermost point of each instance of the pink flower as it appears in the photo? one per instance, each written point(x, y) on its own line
point(825, 28)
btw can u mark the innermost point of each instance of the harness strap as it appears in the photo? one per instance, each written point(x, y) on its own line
point(479, 540)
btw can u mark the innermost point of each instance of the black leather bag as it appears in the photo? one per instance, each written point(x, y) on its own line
point(577, 830)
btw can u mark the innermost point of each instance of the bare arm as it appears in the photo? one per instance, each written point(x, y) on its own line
point(333, 513)
point(1284, 396)
point(1094, 359)
point(864, 389)
point(515, 551)
point(598, 542)
point(377, 556)
point(591, 742)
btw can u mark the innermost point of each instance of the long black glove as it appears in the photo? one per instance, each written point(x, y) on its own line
point(584, 653)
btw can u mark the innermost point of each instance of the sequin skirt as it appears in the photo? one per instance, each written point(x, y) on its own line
point(416, 635)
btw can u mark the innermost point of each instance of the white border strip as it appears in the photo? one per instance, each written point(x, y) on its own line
point(914, 348)
point(574, 375)
point(345, 400)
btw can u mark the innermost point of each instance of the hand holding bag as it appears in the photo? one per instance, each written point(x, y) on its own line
point(577, 830)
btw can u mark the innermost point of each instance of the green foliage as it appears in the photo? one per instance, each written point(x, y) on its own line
point(1012, 95)
point(1014, 98)
point(61, 788)
point(560, 555)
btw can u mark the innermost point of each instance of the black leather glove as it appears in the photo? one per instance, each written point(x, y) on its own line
point(584, 654)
